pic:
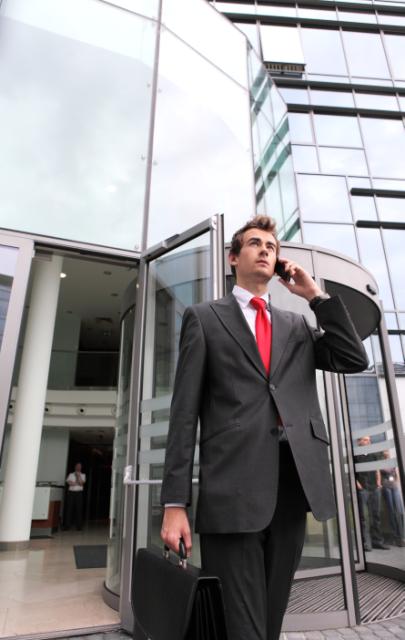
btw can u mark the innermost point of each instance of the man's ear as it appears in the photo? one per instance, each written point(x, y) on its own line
point(232, 259)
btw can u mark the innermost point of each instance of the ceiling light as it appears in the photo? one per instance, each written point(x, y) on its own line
point(63, 275)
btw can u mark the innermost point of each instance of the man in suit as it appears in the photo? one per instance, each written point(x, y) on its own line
point(246, 370)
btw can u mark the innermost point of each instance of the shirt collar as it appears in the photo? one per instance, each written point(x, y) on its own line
point(243, 296)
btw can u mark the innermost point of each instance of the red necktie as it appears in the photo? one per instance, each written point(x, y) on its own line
point(263, 331)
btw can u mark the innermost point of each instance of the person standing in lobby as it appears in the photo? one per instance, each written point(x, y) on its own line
point(74, 507)
point(246, 371)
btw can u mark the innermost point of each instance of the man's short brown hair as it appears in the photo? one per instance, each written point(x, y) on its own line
point(265, 223)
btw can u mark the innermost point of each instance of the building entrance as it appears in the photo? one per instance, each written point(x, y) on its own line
point(54, 558)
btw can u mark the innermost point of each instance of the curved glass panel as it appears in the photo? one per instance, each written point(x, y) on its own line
point(202, 150)
point(225, 46)
point(74, 129)
point(324, 198)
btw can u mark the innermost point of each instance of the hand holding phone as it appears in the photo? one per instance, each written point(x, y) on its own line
point(281, 271)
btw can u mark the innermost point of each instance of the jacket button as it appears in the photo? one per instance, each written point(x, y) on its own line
point(272, 387)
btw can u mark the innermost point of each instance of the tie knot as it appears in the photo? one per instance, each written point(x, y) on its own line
point(258, 303)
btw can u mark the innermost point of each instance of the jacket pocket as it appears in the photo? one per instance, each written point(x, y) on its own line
point(319, 430)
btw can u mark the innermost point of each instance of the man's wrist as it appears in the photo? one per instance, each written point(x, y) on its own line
point(318, 299)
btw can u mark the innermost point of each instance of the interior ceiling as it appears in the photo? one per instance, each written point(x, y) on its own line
point(93, 291)
point(92, 436)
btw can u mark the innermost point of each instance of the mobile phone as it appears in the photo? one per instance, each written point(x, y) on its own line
point(280, 270)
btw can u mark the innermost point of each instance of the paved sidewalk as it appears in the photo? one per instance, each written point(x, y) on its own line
point(388, 630)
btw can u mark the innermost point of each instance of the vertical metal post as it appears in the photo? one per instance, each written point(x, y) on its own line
point(393, 402)
point(348, 568)
point(217, 256)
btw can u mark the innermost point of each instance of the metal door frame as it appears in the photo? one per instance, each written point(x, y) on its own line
point(12, 325)
point(213, 225)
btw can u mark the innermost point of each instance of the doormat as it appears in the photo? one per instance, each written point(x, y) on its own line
point(90, 556)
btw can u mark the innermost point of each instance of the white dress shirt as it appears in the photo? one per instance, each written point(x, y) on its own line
point(243, 297)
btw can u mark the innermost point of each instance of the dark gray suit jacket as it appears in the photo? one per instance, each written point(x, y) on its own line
point(220, 379)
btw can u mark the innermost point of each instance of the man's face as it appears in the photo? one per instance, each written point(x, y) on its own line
point(78, 467)
point(257, 256)
point(364, 441)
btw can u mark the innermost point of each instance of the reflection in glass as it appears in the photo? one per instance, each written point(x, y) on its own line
point(396, 53)
point(300, 127)
point(394, 244)
point(341, 131)
point(397, 355)
point(175, 281)
point(384, 141)
point(305, 159)
point(363, 208)
point(323, 52)
point(8, 261)
point(343, 161)
point(336, 237)
point(373, 258)
point(202, 130)
point(365, 54)
point(377, 478)
point(324, 198)
point(68, 110)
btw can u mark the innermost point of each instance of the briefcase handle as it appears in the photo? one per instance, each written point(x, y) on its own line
point(182, 553)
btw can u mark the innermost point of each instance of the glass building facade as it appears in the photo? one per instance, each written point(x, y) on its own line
point(127, 127)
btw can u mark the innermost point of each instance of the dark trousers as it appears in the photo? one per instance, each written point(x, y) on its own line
point(393, 500)
point(74, 509)
point(257, 569)
point(370, 516)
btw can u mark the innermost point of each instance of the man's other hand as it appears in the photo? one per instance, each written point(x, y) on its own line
point(175, 525)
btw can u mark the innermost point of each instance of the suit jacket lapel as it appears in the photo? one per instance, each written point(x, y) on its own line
point(230, 314)
point(281, 328)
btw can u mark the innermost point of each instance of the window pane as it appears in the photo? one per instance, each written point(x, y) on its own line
point(390, 19)
point(363, 208)
point(324, 198)
point(396, 54)
point(281, 44)
point(230, 7)
point(394, 243)
point(396, 349)
point(225, 47)
point(385, 144)
point(343, 161)
point(300, 127)
point(391, 320)
point(73, 128)
point(365, 54)
point(323, 52)
point(332, 98)
point(342, 131)
point(374, 101)
point(276, 11)
point(305, 159)
point(373, 258)
point(202, 128)
point(349, 16)
point(336, 237)
point(294, 96)
point(392, 209)
point(323, 14)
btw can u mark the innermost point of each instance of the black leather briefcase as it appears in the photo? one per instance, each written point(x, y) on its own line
point(173, 600)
